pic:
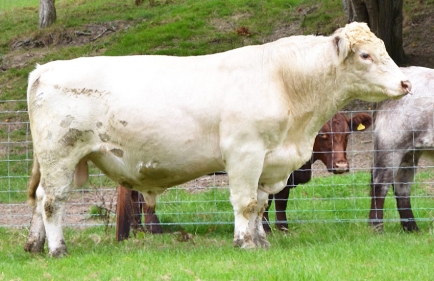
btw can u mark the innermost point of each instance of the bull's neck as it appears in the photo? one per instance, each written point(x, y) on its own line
point(314, 96)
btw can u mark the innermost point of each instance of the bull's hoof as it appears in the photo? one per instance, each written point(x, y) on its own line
point(34, 246)
point(246, 243)
point(59, 253)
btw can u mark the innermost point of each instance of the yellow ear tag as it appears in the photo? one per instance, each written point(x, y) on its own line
point(360, 127)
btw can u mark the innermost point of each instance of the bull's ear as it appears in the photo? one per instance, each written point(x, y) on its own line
point(341, 46)
point(360, 122)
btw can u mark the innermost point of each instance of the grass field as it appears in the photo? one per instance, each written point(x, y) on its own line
point(324, 242)
point(308, 252)
point(6, 5)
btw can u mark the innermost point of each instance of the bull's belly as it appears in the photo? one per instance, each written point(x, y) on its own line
point(143, 173)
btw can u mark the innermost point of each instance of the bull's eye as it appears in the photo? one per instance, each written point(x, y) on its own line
point(366, 56)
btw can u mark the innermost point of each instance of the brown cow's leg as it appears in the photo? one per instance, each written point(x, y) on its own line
point(280, 203)
point(123, 213)
point(136, 207)
point(265, 219)
point(152, 223)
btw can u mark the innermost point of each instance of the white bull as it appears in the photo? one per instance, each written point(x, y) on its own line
point(152, 122)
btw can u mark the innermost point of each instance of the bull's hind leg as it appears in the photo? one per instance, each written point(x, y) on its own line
point(402, 189)
point(36, 238)
point(56, 183)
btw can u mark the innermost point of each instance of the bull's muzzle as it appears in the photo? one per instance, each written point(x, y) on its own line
point(406, 87)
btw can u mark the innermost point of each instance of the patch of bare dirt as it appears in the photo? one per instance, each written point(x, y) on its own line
point(28, 48)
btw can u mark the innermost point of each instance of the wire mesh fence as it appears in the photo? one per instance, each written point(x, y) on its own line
point(326, 198)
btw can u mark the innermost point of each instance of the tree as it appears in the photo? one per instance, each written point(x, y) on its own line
point(384, 17)
point(47, 13)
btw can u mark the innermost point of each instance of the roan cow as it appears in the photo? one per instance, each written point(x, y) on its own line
point(330, 148)
point(403, 132)
point(152, 122)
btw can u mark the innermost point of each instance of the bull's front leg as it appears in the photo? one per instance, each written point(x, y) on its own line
point(36, 238)
point(244, 206)
point(243, 178)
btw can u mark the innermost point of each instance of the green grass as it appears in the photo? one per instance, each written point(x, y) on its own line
point(6, 5)
point(308, 252)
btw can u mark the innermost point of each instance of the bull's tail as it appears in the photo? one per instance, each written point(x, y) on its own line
point(35, 177)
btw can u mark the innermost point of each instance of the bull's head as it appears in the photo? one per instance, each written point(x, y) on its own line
point(368, 67)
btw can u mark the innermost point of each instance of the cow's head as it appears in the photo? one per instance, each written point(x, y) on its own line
point(331, 142)
point(367, 71)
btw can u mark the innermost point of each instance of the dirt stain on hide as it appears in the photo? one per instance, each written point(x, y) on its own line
point(84, 91)
point(49, 207)
point(123, 122)
point(71, 137)
point(249, 209)
point(67, 121)
point(117, 152)
point(104, 137)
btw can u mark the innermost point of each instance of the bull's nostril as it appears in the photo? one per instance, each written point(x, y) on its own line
point(406, 86)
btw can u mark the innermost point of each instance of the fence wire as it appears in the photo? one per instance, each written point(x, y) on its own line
point(326, 198)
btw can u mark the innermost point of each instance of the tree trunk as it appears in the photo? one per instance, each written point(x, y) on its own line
point(384, 17)
point(47, 13)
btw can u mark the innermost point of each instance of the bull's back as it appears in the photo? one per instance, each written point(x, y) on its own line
point(134, 123)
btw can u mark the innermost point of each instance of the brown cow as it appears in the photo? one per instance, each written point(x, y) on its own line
point(129, 213)
point(330, 148)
